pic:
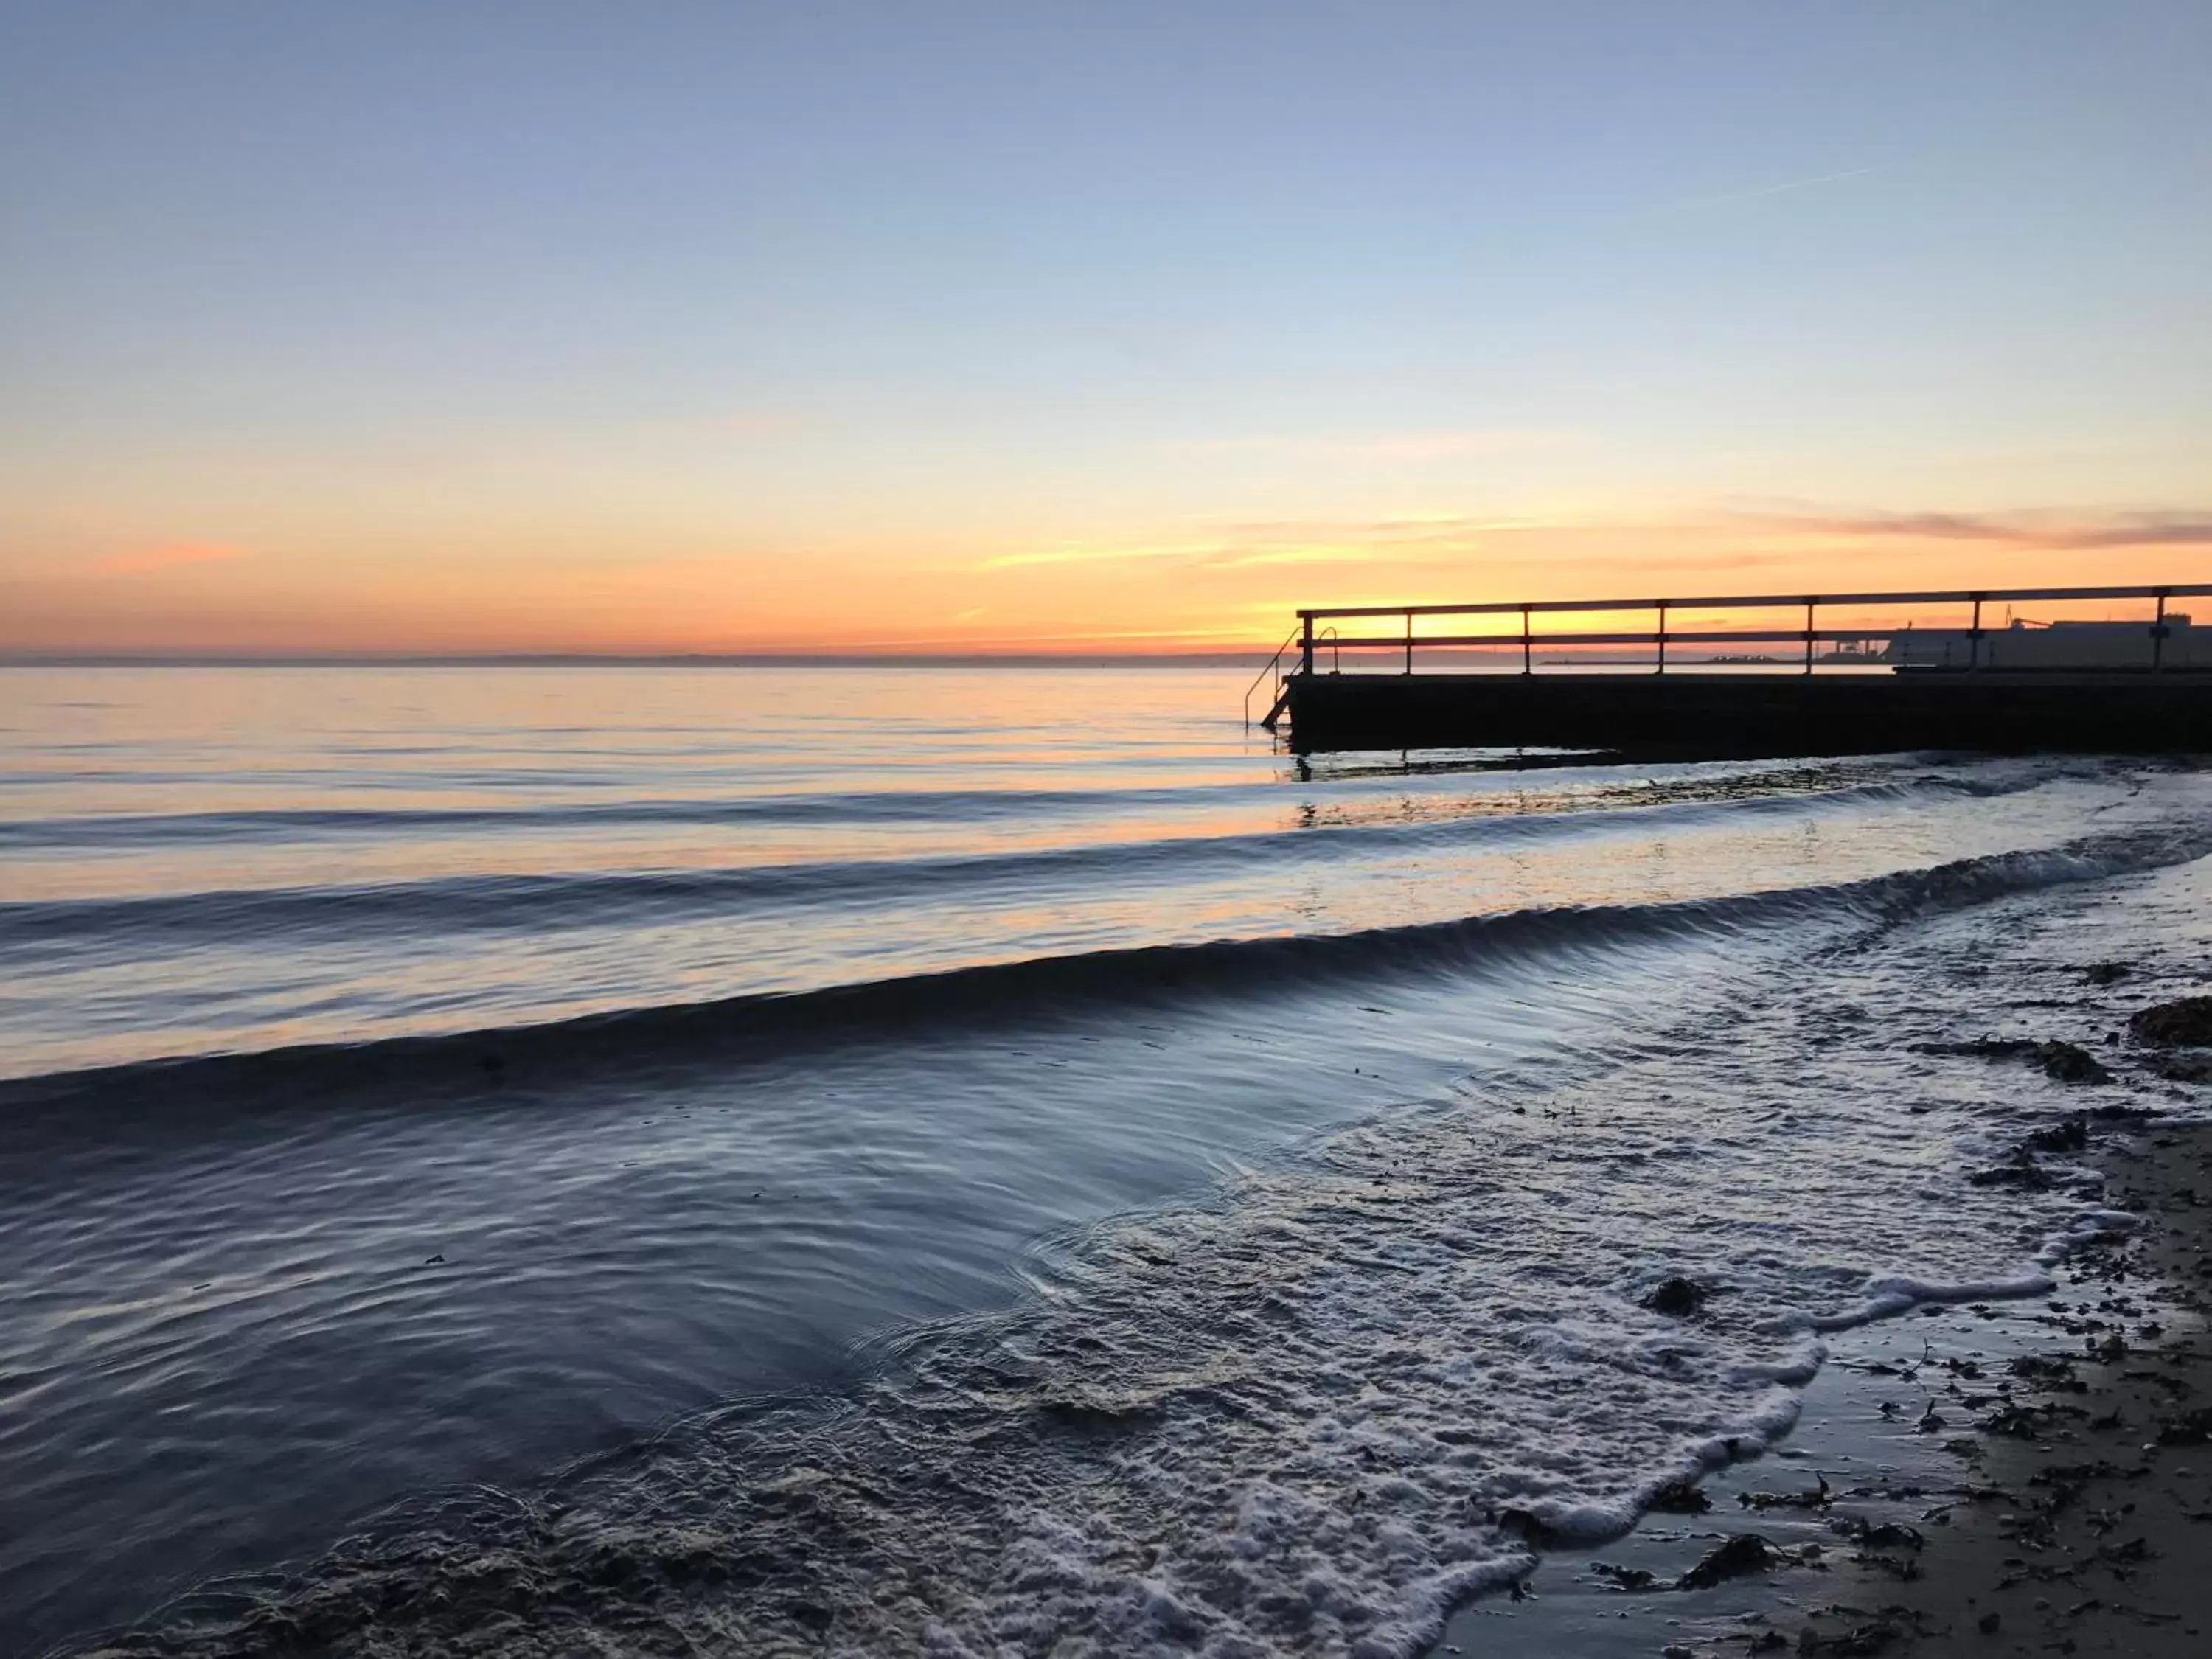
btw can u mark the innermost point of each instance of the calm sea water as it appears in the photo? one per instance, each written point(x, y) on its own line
point(955, 1161)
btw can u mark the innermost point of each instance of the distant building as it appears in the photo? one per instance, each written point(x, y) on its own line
point(2027, 645)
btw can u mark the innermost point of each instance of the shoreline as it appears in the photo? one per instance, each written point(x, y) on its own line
point(1998, 1476)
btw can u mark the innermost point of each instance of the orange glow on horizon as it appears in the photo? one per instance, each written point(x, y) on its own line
point(1209, 587)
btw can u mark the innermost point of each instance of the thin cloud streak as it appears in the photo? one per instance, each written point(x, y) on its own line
point(2047, 531)
point(1234, 561)
point(1670, 539)
point(1090, 556)
point(1396, 541)
point(1786, 188)
point(1394, 531)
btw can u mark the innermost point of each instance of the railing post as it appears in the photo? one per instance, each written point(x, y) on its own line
point(1809, 635)
point(1974, 639)
point(2158, 636)
point(1662, 636)
point(1528, 662)
point(1409, 642)
point(1305, 642)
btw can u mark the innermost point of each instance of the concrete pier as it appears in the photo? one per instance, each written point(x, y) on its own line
point(1738, 715)
point(2053, 682)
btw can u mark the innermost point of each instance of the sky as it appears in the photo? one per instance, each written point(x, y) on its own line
point(927, 326)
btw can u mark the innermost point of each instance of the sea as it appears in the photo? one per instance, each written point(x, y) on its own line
point(967, 1161)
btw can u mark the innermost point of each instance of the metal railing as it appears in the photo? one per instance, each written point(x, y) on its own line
point(1808, 635)
point(1275, 667)
point(1325, 637)
point(1308, 637)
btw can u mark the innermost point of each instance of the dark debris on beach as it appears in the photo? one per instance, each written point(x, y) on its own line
point(2061, 1061)
point(1677, 1298)
point(2075, 1526)
point(2187, 1023)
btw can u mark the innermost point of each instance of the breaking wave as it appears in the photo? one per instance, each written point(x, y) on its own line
point(1084, 982)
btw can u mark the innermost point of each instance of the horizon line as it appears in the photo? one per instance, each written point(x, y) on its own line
point(612, 659)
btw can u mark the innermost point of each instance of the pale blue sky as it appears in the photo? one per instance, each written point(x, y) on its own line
point(769, 277)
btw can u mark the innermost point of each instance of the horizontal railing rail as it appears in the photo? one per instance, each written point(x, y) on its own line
point(1767, 601)
point(1306, 636)
point(1699, 637)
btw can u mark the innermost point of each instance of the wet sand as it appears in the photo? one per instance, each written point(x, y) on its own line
point(1995, 1478)
point(2088, 1525)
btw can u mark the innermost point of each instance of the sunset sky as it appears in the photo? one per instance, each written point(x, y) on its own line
point(476, 326)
